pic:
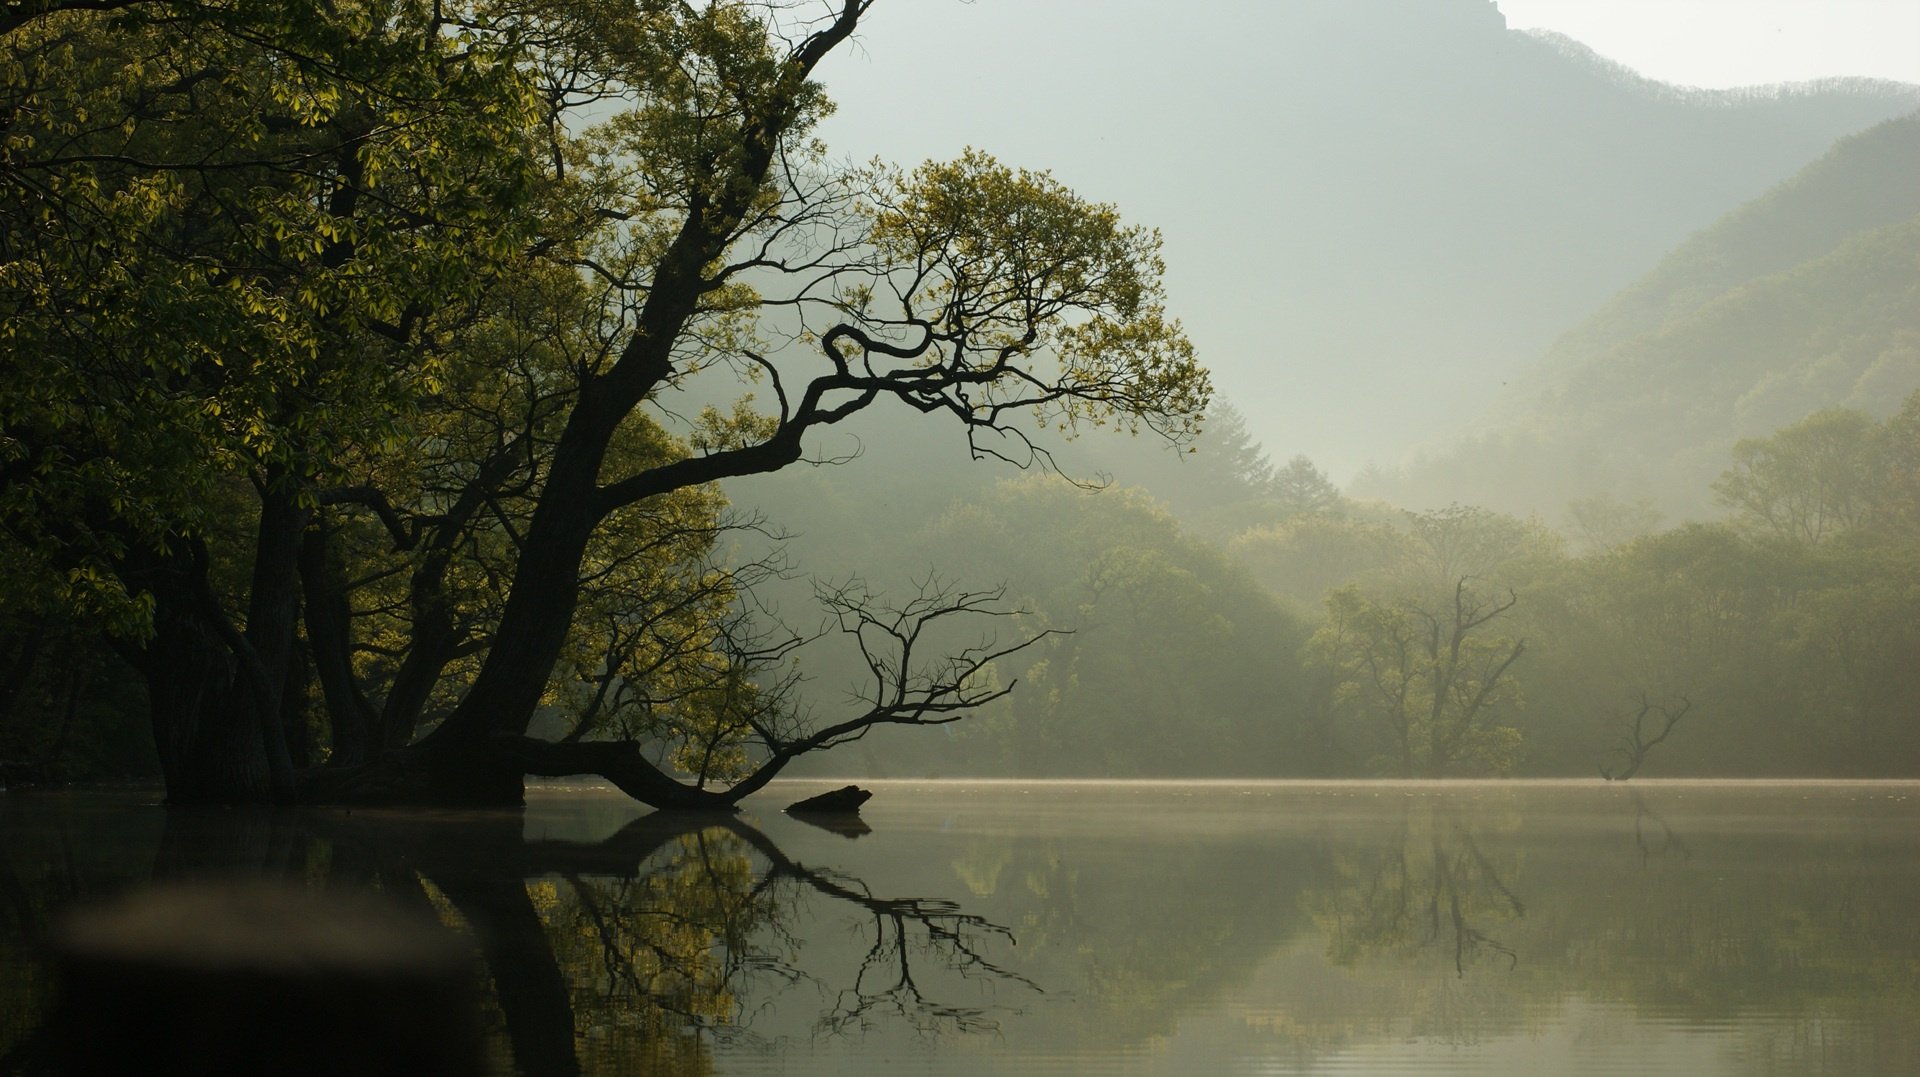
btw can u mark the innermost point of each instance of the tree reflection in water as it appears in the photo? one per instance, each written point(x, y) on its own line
point(636, 953)
point(1773, 923)
point(1429, 888)
point(1668, 843)
point(647, 946)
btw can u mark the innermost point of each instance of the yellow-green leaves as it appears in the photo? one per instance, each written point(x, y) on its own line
point(717, 431)
point(1002, 235)
point(228, 235)
point(1036, 297)
point(1428, 676)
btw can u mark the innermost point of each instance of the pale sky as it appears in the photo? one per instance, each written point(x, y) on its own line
point(1725, 43)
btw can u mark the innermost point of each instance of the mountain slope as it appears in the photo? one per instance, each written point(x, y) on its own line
point(1805, 298)
point(1375, 211)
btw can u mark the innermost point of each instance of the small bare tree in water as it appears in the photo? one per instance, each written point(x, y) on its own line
point(1640, 734)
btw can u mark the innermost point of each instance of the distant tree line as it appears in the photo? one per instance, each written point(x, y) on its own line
point(1327, 636)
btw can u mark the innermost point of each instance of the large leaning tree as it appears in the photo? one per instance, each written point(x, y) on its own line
point(369, 368)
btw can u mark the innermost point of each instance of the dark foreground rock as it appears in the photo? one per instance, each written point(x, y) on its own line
point(263, 977)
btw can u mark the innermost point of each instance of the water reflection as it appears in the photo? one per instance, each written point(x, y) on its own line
point(1654, 835)
point(634, 953)
point(1646, 928)
point(1430, 889)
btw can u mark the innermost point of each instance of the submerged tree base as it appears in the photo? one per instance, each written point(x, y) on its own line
point(492, 774)
point(407, 779)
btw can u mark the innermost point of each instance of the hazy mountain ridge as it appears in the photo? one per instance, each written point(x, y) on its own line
point(1492, 188)
point(1415, 206)
point(1806, 297)
point(1375, 211)
point(1767, 91)
point(1865, 182)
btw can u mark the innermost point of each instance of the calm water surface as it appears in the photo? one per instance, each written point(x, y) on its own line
point(1029, 928)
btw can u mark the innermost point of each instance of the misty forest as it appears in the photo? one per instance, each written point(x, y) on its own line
point(414, 405)
point(422, 411)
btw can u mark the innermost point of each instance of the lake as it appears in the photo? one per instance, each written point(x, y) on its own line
point(1105, 928)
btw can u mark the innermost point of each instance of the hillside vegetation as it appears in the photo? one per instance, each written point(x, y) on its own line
point(1807, 297)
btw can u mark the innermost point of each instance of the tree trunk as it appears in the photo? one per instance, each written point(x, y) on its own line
point(215, 692)
point(435, 637)
point(463, 756)
point(546, 589)
point(273, 618)
point(295, 718)
point(428, 652)
point(330, 640)
point(23, 655)
point(209, 750)
point(546, 583)
point(492, 772)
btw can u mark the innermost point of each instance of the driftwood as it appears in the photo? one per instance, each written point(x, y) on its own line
point(845, 800)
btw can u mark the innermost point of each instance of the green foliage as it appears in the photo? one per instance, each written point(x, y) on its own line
point(1301, 489)
point(1169, 665)
point(1782, 629)
point(1304, 557)
point(1423, 679)
point(1012, 272)
point(1225, 473)
point(1898, 506)
point(1790, 654)
point(446, 321)
point(352, 350)
point(1468, 542)
point(229, 230)
point(1602, 521)
point(1806, 297)
point(1812, 480)
point(1222, 484)
point(1795, 655)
